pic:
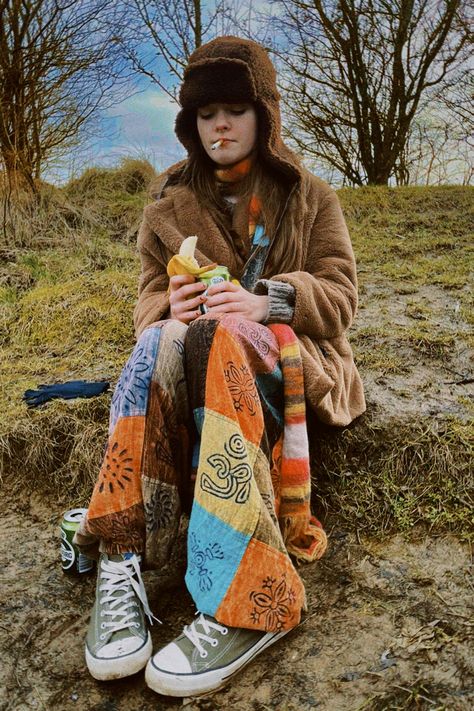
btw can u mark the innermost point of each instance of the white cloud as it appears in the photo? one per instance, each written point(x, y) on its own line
point(141, 126)
point(144, 125)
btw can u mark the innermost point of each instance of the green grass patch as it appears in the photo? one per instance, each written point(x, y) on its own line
point(66, 330)
point(374, 351)
point(415, 234)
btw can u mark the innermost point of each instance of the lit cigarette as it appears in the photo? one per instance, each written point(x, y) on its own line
point(217, 144)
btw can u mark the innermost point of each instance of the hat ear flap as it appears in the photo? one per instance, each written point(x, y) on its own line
point(186, 128)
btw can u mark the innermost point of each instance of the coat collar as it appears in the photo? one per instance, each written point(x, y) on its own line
point(178, 215)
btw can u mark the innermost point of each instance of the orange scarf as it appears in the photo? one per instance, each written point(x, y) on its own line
point(235, 174)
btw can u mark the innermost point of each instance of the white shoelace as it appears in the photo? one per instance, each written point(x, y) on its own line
point(196, 637)
point(122, 577)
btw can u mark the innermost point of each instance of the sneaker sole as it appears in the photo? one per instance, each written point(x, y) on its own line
point(202, 682)
point(119, 667)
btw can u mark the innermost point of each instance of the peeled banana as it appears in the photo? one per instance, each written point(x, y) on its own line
point(184, 262)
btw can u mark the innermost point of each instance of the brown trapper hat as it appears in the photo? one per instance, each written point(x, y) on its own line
point(234, 70)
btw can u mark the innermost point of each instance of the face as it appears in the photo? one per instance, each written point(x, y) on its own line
point(235, 124)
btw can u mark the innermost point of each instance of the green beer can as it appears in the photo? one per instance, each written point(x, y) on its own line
point(213, 276)
point(72, 561)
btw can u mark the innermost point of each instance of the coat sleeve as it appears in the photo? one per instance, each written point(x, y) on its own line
point(153, 299)
point(326, 291)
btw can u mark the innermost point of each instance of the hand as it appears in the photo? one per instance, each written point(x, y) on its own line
point(186, 295)
point(227, 298)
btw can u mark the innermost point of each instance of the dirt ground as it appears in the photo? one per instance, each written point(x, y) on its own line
point(389, 626)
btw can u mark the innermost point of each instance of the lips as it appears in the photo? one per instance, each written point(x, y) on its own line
point(223, 142)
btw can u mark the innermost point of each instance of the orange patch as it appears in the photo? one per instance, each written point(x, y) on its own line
point(266, 592)
point(295, 472)
point(118, 486)
point(231, 389)
point(297, 418)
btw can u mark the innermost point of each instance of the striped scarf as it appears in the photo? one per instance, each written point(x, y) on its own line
point(229, 178)
point(302, 533)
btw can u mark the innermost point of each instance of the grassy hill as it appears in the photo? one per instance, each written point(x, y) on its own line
point(68, 280)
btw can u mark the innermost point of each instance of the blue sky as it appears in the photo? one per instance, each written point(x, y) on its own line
point(143, 125)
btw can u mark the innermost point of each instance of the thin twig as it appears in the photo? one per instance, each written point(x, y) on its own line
point(410, 691)
point(466, 381)
point(450, 612)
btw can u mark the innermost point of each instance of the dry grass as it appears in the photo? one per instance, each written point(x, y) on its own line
point(57, 450)
point(421, 696)
point(67, 290)
point(101, 203)
point(387, 475)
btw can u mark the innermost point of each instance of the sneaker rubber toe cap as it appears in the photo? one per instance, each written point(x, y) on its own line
point(120, 648)
point(171, 660)
point(119, 663)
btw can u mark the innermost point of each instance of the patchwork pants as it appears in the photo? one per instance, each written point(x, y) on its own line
point(208, 398)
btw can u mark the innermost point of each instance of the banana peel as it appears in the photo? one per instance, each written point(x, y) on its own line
point(185, 263)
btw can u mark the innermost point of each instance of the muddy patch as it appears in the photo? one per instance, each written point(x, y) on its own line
point(389, 626)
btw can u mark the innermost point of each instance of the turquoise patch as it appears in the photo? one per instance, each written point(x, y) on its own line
point(215, 551)
point(198, 414)
point(259, 237)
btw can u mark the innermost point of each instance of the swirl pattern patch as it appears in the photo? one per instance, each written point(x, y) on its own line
point(256, 335)
point(233, 479)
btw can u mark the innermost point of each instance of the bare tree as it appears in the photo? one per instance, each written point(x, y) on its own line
point(158, 37)
point(58, 64)
point(438, 151)
point(440, 142)
point(358, 71)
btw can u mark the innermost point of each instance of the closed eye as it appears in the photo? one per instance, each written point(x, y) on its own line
point(237, 111)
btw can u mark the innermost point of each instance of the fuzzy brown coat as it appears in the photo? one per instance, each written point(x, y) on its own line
point(324, 280)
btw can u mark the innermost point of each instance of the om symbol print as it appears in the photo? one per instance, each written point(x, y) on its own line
point(235, 478)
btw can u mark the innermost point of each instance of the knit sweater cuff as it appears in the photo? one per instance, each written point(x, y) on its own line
point(281, 300)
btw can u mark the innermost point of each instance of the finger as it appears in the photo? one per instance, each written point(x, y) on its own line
point(190, 304)
point(179, 280)
point(223, 286)
point(226, 308)
point(186, 291)
point(224, 297)
point(189, 316)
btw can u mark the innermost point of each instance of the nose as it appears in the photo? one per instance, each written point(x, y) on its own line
point(222, 121)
